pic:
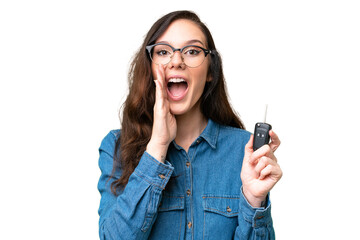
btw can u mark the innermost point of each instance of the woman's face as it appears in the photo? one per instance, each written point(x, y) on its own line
point(183, 96)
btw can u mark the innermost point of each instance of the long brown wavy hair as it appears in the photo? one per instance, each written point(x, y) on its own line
point(137, 114)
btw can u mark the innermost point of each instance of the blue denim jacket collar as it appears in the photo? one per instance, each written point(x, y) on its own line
point(210, 134)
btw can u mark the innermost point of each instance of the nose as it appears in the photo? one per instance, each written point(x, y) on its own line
point(176, 60)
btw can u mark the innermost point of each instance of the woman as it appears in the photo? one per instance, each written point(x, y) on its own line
point(173, 171)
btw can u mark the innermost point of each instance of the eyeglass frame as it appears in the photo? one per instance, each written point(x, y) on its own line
point(150, 47)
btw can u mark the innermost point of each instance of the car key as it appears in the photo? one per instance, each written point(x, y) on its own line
point(261, 133)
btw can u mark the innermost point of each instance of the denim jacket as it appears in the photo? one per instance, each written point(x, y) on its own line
point(193, 195)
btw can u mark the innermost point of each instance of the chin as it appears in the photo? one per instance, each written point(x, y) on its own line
point(178, 112)
point(178, 109)
point(184, 108)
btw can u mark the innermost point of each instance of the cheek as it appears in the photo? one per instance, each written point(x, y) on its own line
point(205, 70)
point(200, 85)
point(202, 76)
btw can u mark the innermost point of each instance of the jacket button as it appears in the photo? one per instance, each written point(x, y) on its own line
point(187, 164)
point(162, 176)
point(228, 209)
point(189, 224)
point(188, 192)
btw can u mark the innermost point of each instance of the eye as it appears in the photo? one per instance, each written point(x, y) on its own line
point(162, 50)
point(162, 53)
point(192, 51)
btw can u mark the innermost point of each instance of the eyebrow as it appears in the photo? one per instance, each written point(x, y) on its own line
point(189, 42)
point(195, 41)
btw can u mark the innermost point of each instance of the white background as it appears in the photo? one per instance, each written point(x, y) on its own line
point(63, 68)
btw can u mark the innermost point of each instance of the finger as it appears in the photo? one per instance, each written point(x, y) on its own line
point(265, 150)
point(264, 162)
point(159, 83)
point(275, 141)
point(160, 75)
point(266, 171)
point(157, 90)
point(273, 171)
point(249, 148)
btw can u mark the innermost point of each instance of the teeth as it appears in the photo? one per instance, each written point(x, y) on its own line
point(176, 80)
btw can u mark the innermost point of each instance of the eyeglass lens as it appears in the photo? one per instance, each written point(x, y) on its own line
point(192, 56)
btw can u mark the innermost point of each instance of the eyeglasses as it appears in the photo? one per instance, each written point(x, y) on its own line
point(192, 55)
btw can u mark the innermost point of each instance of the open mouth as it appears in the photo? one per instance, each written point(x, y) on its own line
point(177, 87)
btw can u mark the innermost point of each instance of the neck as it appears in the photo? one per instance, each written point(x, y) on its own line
point(189, 127)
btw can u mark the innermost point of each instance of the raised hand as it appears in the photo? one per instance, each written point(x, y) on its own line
point(164, 125)
point(260, 170)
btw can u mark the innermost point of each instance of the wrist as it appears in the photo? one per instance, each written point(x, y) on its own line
point(158, 151)
point(255, 201)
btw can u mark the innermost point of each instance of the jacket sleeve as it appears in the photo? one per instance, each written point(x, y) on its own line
point(254, 223)
point(131, 214)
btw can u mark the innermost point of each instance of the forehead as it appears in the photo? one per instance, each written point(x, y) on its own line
point(182, 32)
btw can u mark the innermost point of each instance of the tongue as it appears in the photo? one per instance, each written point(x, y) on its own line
point(177, 89)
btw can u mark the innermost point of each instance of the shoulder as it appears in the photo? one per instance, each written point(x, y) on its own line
point(106, 152)
point(232, 134)
point(109, 141)
point(233, 130)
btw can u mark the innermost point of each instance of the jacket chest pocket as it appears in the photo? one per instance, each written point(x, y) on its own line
point(220, 216)
point(169, 218)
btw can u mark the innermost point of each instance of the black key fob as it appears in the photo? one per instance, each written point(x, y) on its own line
point(261, 135)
